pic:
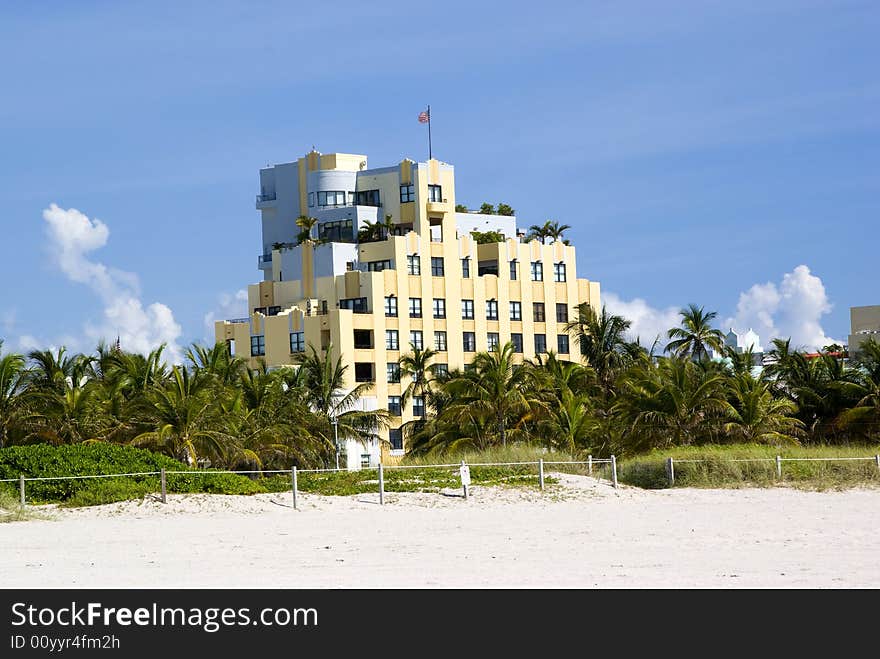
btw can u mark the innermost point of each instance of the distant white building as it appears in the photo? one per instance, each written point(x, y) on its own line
point(742, 342)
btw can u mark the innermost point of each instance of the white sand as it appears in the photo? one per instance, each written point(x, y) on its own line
point(579, 533)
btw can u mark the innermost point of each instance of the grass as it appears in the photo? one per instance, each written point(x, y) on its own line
point(716, 469)
point(11, 510)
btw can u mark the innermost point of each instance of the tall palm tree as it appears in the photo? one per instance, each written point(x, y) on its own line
point(556, 230)
point(216, 362)
point(541, 231)
point(695, 335)
point(602, 341)
point(416, 365)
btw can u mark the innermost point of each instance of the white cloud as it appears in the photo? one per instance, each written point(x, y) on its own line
point(232, 305)
point(72, 237)
point(648, 323)
point(793, 308)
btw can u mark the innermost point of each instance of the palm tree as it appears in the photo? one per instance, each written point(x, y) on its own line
point(416, 365)
point(696, 335)
point(13, 383)
point(306, 225)
point(757, 416)
point(541, 231)
point(602, 342)
point(556, 230)
point(387, 226)
point(216, 362)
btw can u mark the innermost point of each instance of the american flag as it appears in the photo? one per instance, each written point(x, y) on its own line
point(424, 117)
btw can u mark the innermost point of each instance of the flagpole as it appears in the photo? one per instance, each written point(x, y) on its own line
point(429, 132)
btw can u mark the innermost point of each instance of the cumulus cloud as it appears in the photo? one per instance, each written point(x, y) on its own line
point(793, 308)
point(229, 305)
point(73, 236)
point(648, 323)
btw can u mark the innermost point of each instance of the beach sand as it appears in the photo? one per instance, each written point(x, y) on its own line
point(578, 533)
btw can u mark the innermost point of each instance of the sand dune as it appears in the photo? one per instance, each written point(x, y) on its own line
point(578, 533)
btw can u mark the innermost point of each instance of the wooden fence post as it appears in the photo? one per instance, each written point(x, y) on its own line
point(464, 481)
point(164, 489)
point(877, 458)
point(779, 467)
point(21, 490)
point(614, 471)
point(589, 465)
point(670, 472)
point(541, 472)
point(293, 484)
point(381, 485)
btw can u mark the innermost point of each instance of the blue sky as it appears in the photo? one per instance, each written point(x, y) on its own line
point(703, 152)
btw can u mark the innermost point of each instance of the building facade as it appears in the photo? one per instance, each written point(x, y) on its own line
point(864, 324)
point(422, 281)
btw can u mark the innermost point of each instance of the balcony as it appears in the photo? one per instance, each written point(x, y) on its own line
point(265, 200)
point(438, 206)
point(264, 261)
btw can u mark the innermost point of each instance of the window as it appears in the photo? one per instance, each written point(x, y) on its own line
point(356, 304)
point(379, 266)
point(538, 310)
point(413, 265)
point(418, 406)
point(562, 344)
point(540, 343)
point(395, 437)
point(467, 309)
point(516, 310)
point(491, 310)
point(513, 271)
point(487, 267)
point(435, 193)
point(516, 340)
point(339, 231)
point(415, 338)
point(439, 307)
point(363, 339)
point(391, 306)
point(273, 311)
point(365, 460)
point(440, 341)
point(331, 198)
point(407, 193)
point(469, 341)
point(297, 342)
point(363, 372)
point(311, 199)
point(392, 370)
point(415, 307)
point(436, 266)
point(367, 198)
point(492, 339)
point(392, 340)
point(436, 232)
point(466, 268)
point(394, 405)
point(470, 368)
point(258, 345)
point(561, 312)
point(440, 370)
point(558, 272)
point(537, 271)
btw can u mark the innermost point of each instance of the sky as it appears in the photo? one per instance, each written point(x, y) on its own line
point(717, 153)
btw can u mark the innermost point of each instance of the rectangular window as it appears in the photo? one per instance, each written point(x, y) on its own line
point(394, 405)
point(558, 272)
point(469, 341)
point(436, 233)
point(561, 312)
point(440, 370)
point(435, 193)
point(391, 306)
point(513, 271)
point(467, 309)
point(392, 341)
point(492, 339)
point(336, 231)
point(466, 268)
point(363, 339)
point(331, 198)
point(407, 193)
point(436, 266)
point(392, 370)
point(491, 310)
point(413, 265)
point(356, 304)
point(562, 344)
point(258, 345)
point(415, 307)
point(363, 372)
point(379, 266)
point(367, 198)
point(538, 311)
point(415, 338)
point(418, 406)
point(440, 341)
point(540, 343)
point(516, 340)
point(297, 342)
point(311, 199)
point(537, 271)
point(516, 310)
point(439, 307)
point(395, 437)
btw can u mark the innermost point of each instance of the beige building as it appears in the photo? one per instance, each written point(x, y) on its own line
point(864, 324)
point(428, 283)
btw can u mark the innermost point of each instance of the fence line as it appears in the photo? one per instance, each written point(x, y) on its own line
point(778, 460)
